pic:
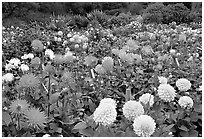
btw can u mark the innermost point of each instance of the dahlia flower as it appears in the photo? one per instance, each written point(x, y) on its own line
point(24, 67)
point(183, 84)
point(162, 80)
point(30, 55)
point(108, 101)
point(37, 45)
point(35, 62)
point(132, 109)
point(8, 77)
point(36, 118)
point(186, 102)
point(60, 33)
point(144, 126)
point(29, 81)
point(147, 99)
point(166, 92)
point(89, 60)
point(108, 63)
point(9, 66)
point(15, 62)
point(105, 115)
point(50, 53)
point(99, 69)
point(19, 106)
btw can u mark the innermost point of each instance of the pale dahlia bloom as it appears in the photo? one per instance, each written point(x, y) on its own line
point(24, 67)
point(8, 77)
point(15, 62)
point(9, 66)
point(60, 33)
point(162, 80)
point(30, 55)
point(99, 69)
point(36, 118)
point(166, 92)
point(105, 115)
point(19, 106)
point(50, 53)
point(186, 102)
point(144, 126)
point(183, 84)
point(147, 99)
point(108, 101)
point(132, 109)
point(108, 63)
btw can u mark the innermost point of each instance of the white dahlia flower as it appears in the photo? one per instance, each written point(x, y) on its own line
point(15, 62)
point(147, 99)
point(108, 101)
point(132, 109)
point(50, 53)
point(183, 84)
point(166, 92)
point(105, 115)
point(162, 80)
point(24, 67)
point(8, 77)
point(30, 55)
point(9, 66)
point(186, 102)
point(144, 126)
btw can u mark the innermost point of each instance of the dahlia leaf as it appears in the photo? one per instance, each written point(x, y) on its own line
point(80, 125)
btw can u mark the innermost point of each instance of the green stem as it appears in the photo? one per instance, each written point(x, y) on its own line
point(19, 127)
point(49, 88)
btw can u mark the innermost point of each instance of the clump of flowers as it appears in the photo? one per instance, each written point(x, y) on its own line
point(8, 77)
point(147, 99)
point(144, 126)
point(166, 92)
point(105, 114)
point(36, 118)
point(108, 63)
point(186, 102)
point(29, 81)
point(183, 84)
point(132, 109)
point(19, 106)
point(162, 80)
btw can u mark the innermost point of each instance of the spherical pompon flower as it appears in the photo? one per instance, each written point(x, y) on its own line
point(108, 101)
point(186, 102)
point(19, 106)
point(147, 99)
point(108, 63)
point(105, 115)
point(37, 45)
point(35, 62)
point(183, 84)
point(24, 67)
point(29, 81)
point(8, 77)
point(132, 109)
point(36, 118)
point(15, 61)
point(144, 126)
point(162, 80)
point(166, 92)
point(99, 69)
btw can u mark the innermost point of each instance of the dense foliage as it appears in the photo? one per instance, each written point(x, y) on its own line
point(100, 75)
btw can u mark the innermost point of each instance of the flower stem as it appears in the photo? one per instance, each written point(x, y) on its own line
point(19, 127)
point(49, 88)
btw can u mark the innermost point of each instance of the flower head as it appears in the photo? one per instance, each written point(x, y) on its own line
point(183, 84)
point(49, 53)
point(108, 63)
point(35, 62)
point(30, 55)
point(185, 102)
point(99, 69)
point(60, 33)
point(37, 45)
point(29, 81)
point(147, 99)
point(166, 92)
point(108, 101)
point(105, 115)
point(90, 60)
point(24, 67)
point(162, 80)
point(132, 109)
point(19, 106)
point(15, 62)
point(36, 118)
point(144, 126)
point(8, 77)
point(9, 66)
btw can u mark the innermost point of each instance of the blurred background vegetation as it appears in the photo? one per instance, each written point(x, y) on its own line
point(16, 13)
